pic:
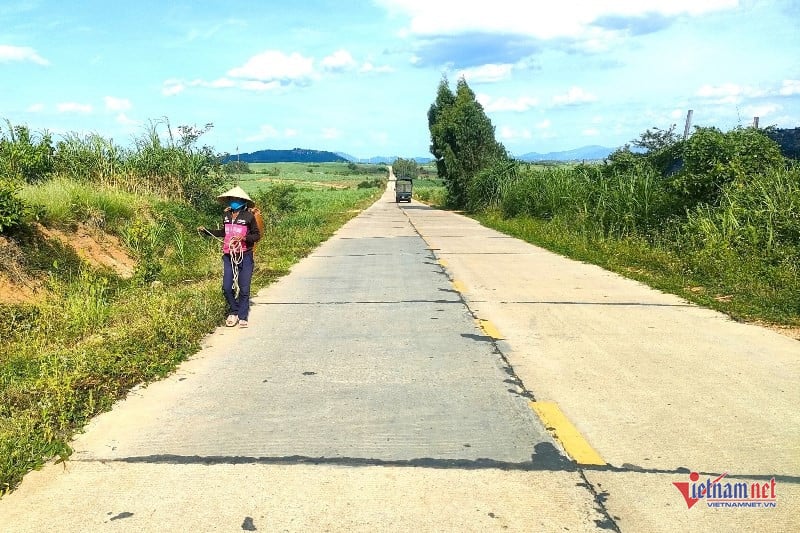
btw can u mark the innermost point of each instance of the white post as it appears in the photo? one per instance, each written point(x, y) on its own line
point(688, 123)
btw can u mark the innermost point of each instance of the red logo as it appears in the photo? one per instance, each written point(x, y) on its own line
point(726, 494)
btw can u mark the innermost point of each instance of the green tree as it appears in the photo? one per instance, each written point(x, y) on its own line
point(463, 137)
point(406, 168)
point(445, 100)
point(656, 139)
point(237, 167)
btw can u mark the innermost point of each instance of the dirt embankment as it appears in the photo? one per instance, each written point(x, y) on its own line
point(97, 248)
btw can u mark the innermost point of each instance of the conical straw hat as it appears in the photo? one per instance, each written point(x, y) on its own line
point(236, 192)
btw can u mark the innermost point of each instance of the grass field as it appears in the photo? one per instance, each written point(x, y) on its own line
point(314, 175)
point(69, 355)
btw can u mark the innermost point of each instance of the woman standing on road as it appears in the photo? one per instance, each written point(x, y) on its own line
point(239, 234)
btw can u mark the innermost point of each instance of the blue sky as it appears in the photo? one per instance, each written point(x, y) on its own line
point(358, 77)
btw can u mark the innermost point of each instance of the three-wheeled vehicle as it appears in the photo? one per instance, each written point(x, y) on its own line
point(402, 188)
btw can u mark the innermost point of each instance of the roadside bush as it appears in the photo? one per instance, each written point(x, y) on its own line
point(278, 201)
point(606, 200)
point(24, 158)
point(371, 184)
point(88, 159)
point(12, 208)
point(237, 167)
point(65, 202)
point(271, 171)
point(623, 160)
point(760, 219)
point(545, 193)
point(487, 188)
point(177, 166)
point(712, 159)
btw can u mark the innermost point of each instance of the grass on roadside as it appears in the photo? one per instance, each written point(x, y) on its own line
point(746, 287)
point(745, 290)
point(430, 191)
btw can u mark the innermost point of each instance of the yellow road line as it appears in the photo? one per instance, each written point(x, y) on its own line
point(490, 329)
point(567, 434)
point(459, 286)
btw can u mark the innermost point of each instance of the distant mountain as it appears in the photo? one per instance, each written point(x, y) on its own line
point(296, 155)
point(381, 159)
point(349, 157)
point(593, 152)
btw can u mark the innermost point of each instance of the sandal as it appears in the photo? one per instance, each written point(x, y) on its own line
point(242, 323)
point(231, 321)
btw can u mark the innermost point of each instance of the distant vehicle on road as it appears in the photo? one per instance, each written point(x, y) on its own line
point(403, 188)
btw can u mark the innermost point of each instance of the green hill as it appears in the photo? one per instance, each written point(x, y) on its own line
point(295, 155)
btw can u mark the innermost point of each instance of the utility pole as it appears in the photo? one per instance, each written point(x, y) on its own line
point(688, 124)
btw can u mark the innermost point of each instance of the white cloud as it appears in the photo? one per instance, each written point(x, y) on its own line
point(255, 85)
point(591, 132)
point(125, 120)
point(790, 88)
point(73, 107)
point(35, 108)
point(331, 133)
point(265, 132)
point(173, 87)
point(368, 67)
point(274, 65)
point(763, 110)
point(508, 133)
point(268, 131)
point(574, 96)
point(220, 83)
point(520, 104)
point(10, 53)
point(487, 73)
point(726, 89)
point(339, 61)
point(542, 20)
point(728, 93)
point(117, 104)
point(545, 124)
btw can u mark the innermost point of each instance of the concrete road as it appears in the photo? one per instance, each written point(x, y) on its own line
point(401, 378)
point(655, 385)
point(363, 397)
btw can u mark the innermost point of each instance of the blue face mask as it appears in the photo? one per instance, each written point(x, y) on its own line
point(237, 204)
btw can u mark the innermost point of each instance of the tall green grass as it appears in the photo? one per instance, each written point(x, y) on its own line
point(161, 160)
point(741, 255)
point(65, 202)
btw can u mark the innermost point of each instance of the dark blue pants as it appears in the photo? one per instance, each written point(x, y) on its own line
point(238, 306)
